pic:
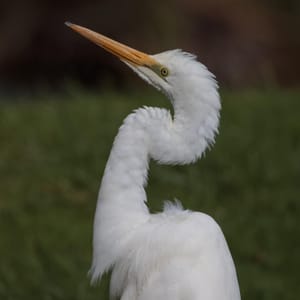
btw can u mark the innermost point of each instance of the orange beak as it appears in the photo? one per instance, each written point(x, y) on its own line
point(123, 52)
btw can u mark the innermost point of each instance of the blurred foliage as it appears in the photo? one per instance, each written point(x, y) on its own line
point(53, 153)
point(244, 42)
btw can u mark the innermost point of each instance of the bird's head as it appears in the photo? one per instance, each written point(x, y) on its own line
point(173, 72)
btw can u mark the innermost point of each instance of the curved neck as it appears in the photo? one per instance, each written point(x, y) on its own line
point(152, 133)
point(147, 133)
point(126, 170)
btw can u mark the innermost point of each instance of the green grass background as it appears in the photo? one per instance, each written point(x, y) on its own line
point(52, 154)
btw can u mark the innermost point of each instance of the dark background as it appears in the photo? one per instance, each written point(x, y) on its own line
point(244, 42)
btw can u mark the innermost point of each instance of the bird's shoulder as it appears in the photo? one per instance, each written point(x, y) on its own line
point(168, 240)
point(175, 225)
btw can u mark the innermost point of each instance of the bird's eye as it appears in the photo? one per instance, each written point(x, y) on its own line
point(164, 72)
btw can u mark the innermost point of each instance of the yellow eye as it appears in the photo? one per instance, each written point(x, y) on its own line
point(164, 72)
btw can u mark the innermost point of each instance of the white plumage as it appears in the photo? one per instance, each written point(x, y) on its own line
point(176, 254)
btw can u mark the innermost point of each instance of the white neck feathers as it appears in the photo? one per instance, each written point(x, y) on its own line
point(147, 133)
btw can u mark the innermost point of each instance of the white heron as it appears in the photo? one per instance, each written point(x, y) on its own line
point(176, 254)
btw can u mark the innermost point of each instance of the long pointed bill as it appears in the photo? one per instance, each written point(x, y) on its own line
point(122, 51)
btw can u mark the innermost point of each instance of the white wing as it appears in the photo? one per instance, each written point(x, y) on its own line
point(176, 255)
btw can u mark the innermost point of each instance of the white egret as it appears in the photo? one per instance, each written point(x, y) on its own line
point(176, 254)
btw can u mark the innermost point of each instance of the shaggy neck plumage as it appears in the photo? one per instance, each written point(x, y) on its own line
point(146, 133)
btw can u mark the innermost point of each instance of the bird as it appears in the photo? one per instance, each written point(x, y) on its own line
point(175, 254)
